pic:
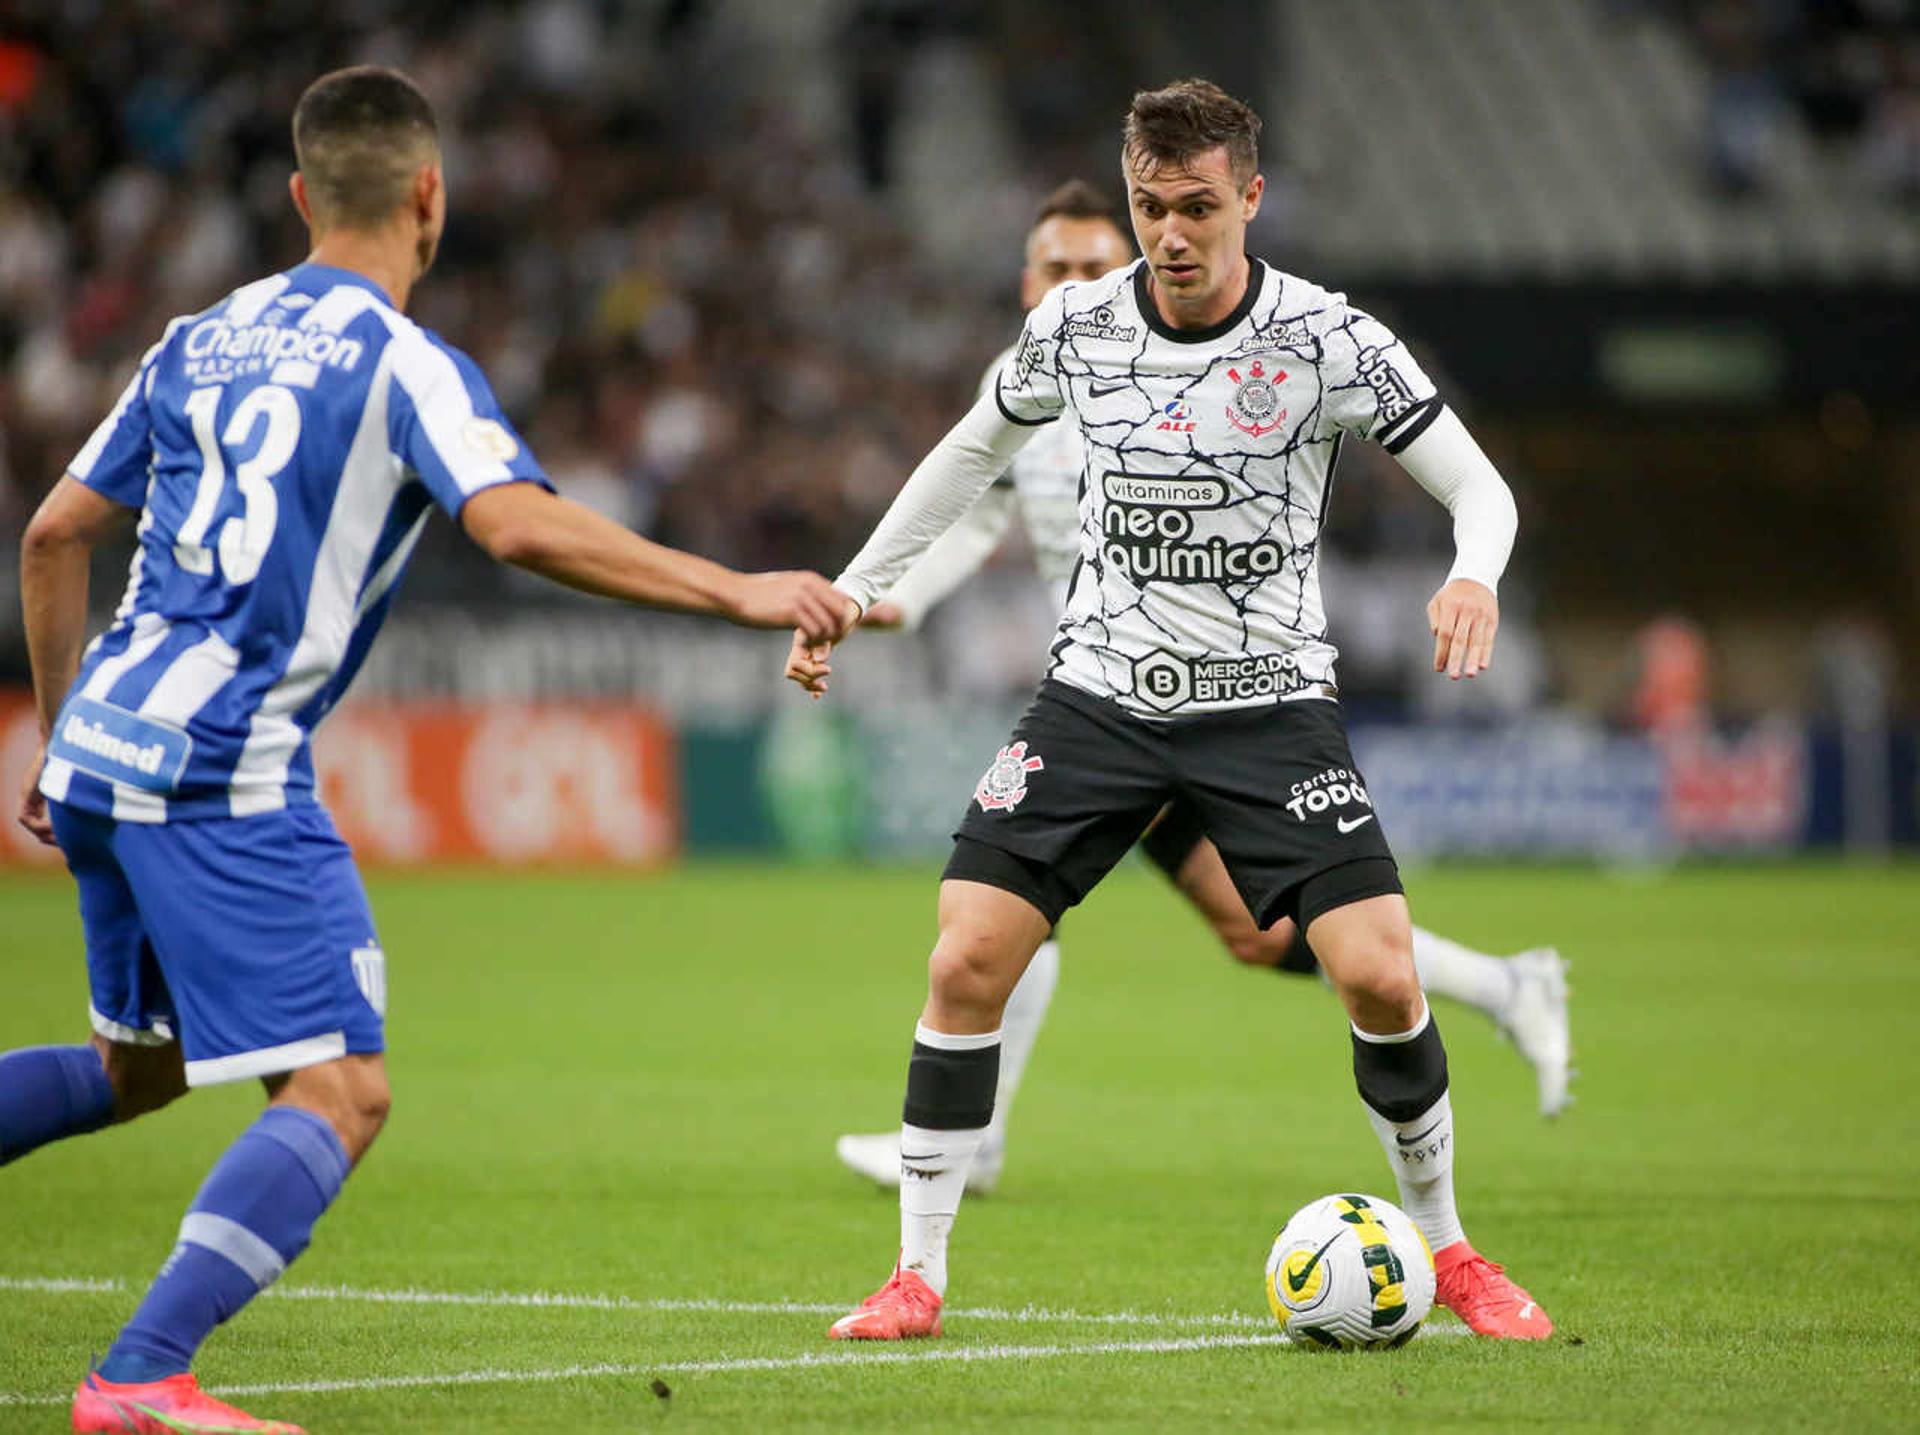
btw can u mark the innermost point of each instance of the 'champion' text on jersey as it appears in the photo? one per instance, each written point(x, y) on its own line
point(1208, 454)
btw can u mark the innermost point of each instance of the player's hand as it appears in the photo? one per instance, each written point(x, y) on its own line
point(808, 664)
point(884, 614)
point(1464, 615)
point(792, 600)
point(33, 806)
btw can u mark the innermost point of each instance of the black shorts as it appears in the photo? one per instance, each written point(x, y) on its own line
point(1275, 788)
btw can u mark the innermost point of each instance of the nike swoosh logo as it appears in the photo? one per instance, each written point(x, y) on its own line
point(1297, 1280)
point(1416, 1140)
point(1352, 824)
point(1096, 392)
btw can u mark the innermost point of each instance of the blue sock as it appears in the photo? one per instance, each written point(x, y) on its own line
point(252, 1217)
point(47, 1092)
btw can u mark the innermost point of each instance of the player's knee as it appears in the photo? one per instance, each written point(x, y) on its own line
point(350, 1095)
point(968, 968)
point(373, 1107)
point(363, 1112)
point(144, 1078)
point(1387, 996)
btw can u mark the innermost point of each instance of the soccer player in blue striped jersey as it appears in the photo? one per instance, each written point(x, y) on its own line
point(283, 449)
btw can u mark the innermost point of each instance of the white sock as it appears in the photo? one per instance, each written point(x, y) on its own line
point(1019, 1028)
point(1421, 1154)
point(1448, 969)
point(933, 1176)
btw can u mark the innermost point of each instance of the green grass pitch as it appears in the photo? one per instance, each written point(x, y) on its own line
point(628, 1089)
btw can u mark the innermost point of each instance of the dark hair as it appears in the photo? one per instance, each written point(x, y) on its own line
point(359, 135)
point(1076, 199)
point(1170, 126)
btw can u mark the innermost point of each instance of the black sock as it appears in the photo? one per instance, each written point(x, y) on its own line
point(1401, 1077)
point(950, 1085)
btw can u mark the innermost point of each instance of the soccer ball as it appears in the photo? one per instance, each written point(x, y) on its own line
point(1349, 1272)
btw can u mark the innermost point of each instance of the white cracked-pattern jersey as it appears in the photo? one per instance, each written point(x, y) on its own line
point(1204, 479)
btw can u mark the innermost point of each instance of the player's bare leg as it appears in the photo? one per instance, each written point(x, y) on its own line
point(144, 1078)
point(1400, 1067)
point(1203, 881)
point(48, 1093)
point(1525, 995)
point(987, 937)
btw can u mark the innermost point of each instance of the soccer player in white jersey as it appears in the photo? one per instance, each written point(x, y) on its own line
point(283, 449)
point(1192, 661)
point(1075, 236)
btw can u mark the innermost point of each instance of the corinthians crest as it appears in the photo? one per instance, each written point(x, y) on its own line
point(1255, 406)
point(1005, 783)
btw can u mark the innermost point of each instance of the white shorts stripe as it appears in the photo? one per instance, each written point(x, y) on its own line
point(159, 1035)
point(268, 1061)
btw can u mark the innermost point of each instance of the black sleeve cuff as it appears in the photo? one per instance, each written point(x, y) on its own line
point(1012, 417)
point(1411, 424)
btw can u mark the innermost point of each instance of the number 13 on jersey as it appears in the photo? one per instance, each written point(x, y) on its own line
point(244, 538)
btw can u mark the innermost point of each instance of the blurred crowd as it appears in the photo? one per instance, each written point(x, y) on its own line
point(1846, 72)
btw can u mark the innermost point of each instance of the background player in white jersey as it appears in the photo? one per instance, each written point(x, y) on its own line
point(1192, 662)
point(284, 450)
point(1075, 236)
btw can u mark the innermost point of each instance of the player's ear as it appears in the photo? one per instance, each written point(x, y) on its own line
point(427, 186)
point(1250, 201)
point(297, 187)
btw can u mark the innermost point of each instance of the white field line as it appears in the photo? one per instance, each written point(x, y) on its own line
point(959, 1354)
point(964, 1354)
point(566, 1300)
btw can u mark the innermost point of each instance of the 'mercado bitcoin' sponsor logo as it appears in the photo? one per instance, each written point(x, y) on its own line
point(1148, 532)
point(1164, 681)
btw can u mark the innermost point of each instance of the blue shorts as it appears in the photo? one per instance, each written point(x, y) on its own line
point(247, 939)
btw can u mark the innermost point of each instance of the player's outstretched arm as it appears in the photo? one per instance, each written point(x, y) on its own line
point(938, 494)
point(55, 553)
point(1465, 614)
point(523, 524)
point(955, 557)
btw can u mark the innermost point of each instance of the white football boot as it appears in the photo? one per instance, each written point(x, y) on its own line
point(877, 1157)
point(1536, 1023)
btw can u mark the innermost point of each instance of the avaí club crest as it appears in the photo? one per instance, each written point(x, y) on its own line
point(1255, 406)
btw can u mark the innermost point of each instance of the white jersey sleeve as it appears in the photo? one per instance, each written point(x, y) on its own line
point(958, 553)
point(947, 483)
point(1028, 388)
point(1373, 388)
point(1446, 462)
point(955, 556)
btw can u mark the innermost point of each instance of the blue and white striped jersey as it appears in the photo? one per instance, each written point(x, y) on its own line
point(285, 448)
